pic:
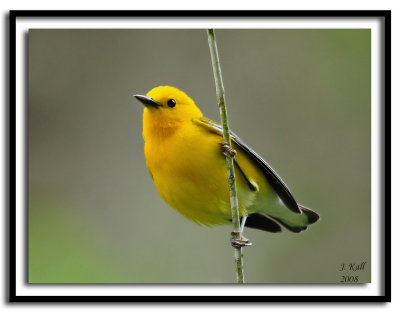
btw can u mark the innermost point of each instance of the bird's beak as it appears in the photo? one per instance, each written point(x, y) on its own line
point(147, 101)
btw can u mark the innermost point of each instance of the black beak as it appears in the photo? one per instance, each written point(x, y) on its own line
point(147, 101)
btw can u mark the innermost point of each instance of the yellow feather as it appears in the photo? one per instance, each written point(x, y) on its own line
point(184, 157)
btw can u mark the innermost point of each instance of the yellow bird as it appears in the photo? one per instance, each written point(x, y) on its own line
point(185, 158)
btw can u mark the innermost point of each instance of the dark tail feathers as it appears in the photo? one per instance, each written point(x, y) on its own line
point(312, 215)
point(270, 224)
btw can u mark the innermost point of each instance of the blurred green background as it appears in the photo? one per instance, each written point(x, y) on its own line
point(300, 98)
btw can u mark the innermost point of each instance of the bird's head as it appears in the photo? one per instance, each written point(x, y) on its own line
point(167, 107)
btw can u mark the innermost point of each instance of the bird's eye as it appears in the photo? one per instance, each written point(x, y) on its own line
point(171, 103)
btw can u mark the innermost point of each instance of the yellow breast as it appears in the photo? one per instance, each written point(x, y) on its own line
point(189, 172)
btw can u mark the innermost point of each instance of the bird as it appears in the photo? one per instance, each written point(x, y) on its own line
point(186, 157)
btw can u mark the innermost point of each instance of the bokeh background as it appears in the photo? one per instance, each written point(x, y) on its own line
point(300, 98)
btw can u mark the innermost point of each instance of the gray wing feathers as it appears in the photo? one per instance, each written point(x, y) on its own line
point(272, 177)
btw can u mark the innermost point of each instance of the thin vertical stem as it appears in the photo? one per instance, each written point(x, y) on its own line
point(212, 41)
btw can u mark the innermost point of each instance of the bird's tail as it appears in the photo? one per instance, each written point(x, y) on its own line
point(297, 222)
point(294, 222)
point(311, 214)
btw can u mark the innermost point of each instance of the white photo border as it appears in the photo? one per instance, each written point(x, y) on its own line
point(377, 21)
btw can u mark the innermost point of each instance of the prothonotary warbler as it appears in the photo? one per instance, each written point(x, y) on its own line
point(185, 158)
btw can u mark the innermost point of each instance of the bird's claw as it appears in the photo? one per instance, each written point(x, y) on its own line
point(240, 242)
point(227, 150)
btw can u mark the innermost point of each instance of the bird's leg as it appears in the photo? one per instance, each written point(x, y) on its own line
point(237, 239)
point(241, 241)
point(227, 150)
point(243, 221)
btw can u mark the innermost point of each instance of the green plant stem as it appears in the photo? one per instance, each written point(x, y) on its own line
point(238, 254)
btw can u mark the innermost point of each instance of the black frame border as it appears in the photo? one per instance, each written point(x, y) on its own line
point(386, 145)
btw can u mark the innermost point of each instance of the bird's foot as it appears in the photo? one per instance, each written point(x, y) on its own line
point(240, 242)
point(227, 150)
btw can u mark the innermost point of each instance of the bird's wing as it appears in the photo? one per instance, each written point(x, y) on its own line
point(272, 177)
